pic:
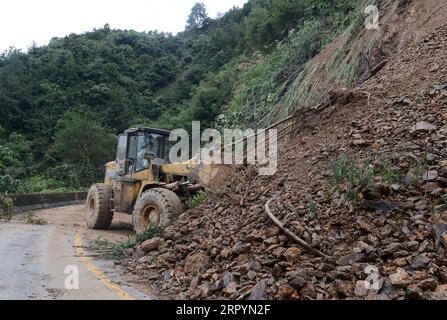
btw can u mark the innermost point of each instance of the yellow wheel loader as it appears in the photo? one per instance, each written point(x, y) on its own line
point(142, 182)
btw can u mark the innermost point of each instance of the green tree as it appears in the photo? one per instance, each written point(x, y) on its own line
point(85, 146)
point(198, 17)
point(260, 28)
point(15, 162)
point(15, 156)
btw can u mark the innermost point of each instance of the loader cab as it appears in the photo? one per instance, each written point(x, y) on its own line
point(140, 148)
point(134, 183)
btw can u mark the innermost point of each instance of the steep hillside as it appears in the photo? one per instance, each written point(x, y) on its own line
point(228, 71)
point(363, 180)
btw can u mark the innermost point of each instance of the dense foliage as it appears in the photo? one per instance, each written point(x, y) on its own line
point(62, 104)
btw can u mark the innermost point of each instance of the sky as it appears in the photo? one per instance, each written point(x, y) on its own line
point(23, 22)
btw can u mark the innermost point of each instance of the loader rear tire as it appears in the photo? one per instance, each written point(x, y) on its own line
point(157, 206)
point(98, 213)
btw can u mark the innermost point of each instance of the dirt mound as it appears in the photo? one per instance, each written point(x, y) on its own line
point(364, 182)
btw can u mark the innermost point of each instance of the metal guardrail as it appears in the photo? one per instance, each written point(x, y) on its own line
point(35, 201)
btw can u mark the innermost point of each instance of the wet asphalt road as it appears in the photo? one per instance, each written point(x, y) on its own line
point(33, 261)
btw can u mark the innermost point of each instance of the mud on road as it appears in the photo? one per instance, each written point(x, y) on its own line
point(34, 258)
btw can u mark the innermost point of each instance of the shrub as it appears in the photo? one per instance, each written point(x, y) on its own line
point(6, 207)
point(10, 185)
point(118, 249)
point(197, 200)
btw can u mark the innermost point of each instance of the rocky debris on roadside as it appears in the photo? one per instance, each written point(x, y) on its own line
point(386, 236)
point(151, 244)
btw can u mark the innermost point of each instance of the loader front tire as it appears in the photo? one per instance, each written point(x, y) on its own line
point(98, 213)
point(156, 206)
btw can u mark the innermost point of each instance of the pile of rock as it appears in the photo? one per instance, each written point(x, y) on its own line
point(391, 244)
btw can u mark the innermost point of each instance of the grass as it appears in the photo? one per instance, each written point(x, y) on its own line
point(274, 84)
point(312, 85)
point(118, 249)
point(313, 208)
point(418, 168)
point(351, 177)
point(287, 79)
point(346, 171)
point(30, 219)
point(389, 172)
point(348, 176)
point(434, 210)
point(197, 200)
point(101, 243)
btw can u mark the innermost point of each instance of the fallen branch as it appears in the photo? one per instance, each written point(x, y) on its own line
point(431, 150)
point(372, 72)
point(290, 234)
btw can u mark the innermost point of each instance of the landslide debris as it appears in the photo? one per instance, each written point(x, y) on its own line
point(364, 182)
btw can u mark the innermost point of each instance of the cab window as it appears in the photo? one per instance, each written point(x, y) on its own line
point(157, 145)
point(121, 148)
point(140, 146)
point(131, 153)
point(142, 162)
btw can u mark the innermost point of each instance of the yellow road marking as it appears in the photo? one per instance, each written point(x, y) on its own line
point(98, 273)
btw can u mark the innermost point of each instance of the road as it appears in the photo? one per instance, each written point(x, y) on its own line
point(34, 259)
